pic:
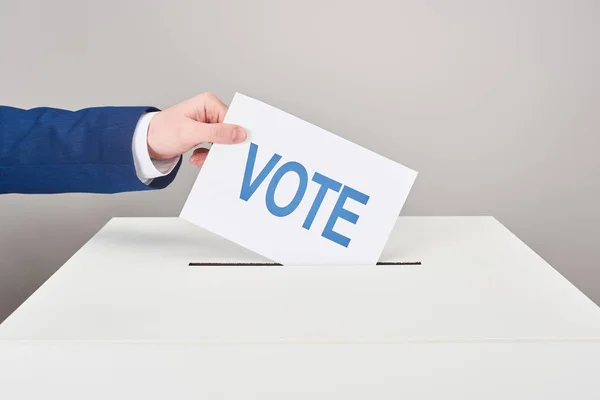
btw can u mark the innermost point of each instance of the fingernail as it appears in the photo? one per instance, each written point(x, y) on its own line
point(239, 134)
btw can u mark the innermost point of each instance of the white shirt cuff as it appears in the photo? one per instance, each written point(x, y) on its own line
point(146, 168)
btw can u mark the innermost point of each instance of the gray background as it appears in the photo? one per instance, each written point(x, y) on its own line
point(495, 103)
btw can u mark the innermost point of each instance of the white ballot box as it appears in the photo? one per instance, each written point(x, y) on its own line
point(481, 317)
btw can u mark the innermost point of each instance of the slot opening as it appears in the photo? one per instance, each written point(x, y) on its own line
point(272, 264)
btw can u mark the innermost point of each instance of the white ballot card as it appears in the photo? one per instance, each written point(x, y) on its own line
point(297, 194)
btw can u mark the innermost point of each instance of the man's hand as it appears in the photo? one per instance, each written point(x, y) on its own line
point(188, 124)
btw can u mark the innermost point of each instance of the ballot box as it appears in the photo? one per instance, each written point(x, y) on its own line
point(156, 308)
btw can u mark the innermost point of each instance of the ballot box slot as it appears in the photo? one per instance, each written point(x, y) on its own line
point(271, 264)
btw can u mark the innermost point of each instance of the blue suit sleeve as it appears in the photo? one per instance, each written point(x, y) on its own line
point(47, 150)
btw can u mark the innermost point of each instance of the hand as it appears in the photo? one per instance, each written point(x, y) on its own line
point(188, 124)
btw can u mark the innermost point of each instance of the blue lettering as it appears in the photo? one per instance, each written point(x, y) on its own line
point(326, 184)
point(291, 166)
point(249, 187)
point(340, 212)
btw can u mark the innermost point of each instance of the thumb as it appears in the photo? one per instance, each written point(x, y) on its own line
point(200, 132)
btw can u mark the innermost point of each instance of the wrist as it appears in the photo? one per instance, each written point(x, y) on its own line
point(152, 138)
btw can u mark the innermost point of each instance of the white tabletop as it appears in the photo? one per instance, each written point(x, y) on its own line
point(483, 315)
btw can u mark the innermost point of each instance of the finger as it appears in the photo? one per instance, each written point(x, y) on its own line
point(198, 157)
point(215, 109)
point(198, 133)
point(207, 108)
